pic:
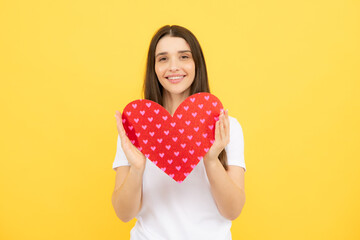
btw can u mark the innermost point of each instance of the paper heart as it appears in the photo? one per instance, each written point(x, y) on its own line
point(175, 143)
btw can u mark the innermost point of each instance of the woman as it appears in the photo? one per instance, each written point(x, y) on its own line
point(203, 206)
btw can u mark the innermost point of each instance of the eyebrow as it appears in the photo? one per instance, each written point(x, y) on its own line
point(163, 53)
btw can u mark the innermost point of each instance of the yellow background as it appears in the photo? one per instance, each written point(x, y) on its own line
point(288, 71)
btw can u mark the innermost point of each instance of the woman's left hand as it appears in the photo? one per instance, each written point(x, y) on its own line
point(222, 136)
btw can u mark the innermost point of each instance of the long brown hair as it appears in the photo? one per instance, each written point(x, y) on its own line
point(153, 90)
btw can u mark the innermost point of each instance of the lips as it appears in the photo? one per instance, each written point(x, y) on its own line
point(175, 79)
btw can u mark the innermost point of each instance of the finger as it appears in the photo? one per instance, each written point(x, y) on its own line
point(228, 129)
point(222, 129)
point(227, 125)
point(121, 130)
point(217, 130)
point(221, 126)
point(119, 125)
point(124, 139)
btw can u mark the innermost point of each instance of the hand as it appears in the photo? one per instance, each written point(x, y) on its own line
point(136, 158)
point(222, 136)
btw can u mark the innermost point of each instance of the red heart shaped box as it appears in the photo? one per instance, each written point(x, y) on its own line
point(175, 143)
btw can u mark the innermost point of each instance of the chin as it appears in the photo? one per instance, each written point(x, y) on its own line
point(176, 90)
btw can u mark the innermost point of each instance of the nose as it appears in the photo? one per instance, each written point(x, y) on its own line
point(174, 66)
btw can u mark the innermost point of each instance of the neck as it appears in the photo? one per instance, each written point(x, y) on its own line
point(172, 101)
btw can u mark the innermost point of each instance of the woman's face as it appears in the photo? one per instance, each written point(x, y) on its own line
point(174, 65)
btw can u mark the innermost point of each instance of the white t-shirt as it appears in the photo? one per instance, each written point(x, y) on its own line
point(187, 210)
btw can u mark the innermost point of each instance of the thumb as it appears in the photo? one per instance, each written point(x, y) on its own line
point(119, 123)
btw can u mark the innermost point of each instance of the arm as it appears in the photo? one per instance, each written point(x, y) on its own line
point(127, 195)
point(227, 187)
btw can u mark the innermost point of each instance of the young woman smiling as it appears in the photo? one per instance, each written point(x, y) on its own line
point(203, 206)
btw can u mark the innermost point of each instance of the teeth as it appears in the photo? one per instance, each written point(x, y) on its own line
point(172, 78)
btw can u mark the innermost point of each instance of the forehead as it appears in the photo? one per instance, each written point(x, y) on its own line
point(171, 44)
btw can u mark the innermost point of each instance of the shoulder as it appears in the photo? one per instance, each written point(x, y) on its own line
point(236, 131)
point(234, 123)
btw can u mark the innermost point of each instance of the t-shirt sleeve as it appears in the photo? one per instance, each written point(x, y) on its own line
point(120, 158)
point(235, 148)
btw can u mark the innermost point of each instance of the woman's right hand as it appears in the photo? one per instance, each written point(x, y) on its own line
point(136, 158)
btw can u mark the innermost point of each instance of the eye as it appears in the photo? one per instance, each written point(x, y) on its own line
point(161, 59)
point(184, 57)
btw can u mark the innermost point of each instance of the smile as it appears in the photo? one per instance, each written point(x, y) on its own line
point(175, 79)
